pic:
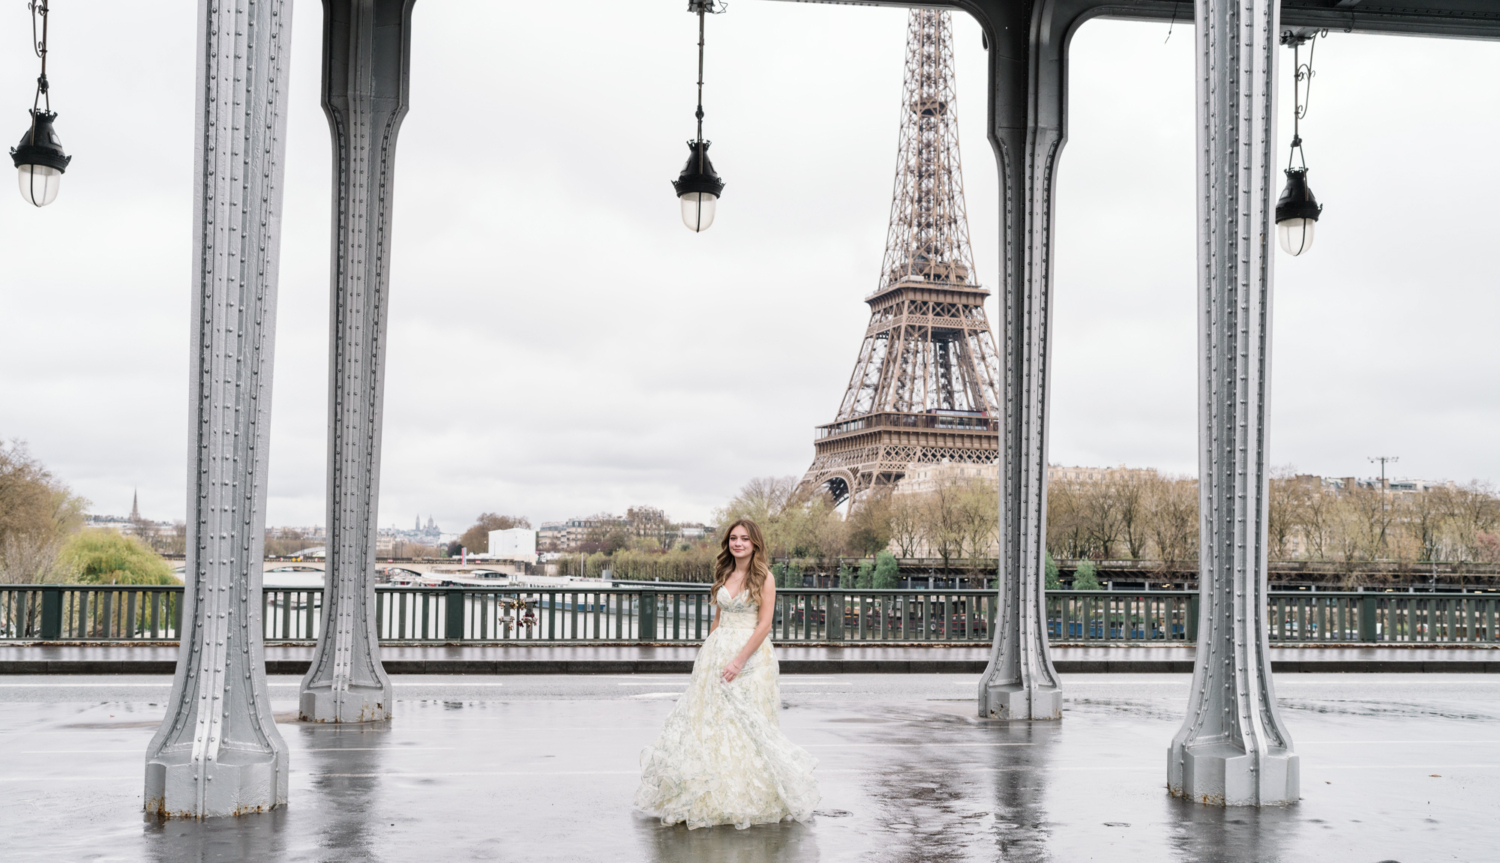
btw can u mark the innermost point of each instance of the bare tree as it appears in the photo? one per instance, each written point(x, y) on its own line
point(1424, 521)
point(870, 522)
point(28, 558)
point(979, 521)
point(1103, 522)
point(1472, 510)
point(1318, 512)
point(761, 500)
point(1284, 508)
point(907, 523)
point(1174, 519)
point(477, 538)
point(649, 522)
point(1066, 535)
point(37, 512)
point(1130, 501)
point(942, 519)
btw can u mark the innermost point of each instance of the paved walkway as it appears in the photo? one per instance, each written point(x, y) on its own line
point(542, 768)
point(630, 659)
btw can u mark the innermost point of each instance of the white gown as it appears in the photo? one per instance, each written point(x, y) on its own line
point(721, 758)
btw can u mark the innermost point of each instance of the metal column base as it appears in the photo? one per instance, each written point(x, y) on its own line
point(319, 703)
point(1013, 701)
point(1223, 774)
point(238, 783)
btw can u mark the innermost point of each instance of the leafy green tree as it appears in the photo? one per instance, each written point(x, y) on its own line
point(106, 557)
point(1053, 582)
point(866, 578)
point(887, 572)
point(1086, 577)
point(846, 577)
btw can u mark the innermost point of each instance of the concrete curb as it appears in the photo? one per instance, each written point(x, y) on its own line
point(788, 666)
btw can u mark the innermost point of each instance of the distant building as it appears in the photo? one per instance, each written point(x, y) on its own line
point(549, 537)
point(569, 535)
point(922, 478)
point(1059, 473)
point(517, 543)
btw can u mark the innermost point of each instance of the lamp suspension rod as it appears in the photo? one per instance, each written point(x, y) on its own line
point(43, 91)
point(1301, 87)
point(702, 11)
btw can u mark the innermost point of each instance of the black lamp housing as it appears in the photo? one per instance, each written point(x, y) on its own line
point(40, 145)
point(698, 174)
point(1297, 201)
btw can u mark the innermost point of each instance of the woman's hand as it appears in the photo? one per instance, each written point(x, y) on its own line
point(733, 669)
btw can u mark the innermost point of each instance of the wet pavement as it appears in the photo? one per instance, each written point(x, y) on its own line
point(542, 768)
point(532, 658)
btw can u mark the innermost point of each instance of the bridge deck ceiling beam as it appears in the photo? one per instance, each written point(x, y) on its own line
point(1461, 19)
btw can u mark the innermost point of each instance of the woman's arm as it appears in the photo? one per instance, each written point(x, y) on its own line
point(762, 629)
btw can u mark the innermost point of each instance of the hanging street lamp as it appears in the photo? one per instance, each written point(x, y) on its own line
point(1297, 210)
point(698, 187)
point(39, 158)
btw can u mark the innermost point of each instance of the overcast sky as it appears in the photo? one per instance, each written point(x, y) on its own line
point(560, 345)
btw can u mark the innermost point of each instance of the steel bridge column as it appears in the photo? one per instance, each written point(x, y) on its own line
point(366, 58)
point(1232, 749)
point(1026, 128)
point(217, 752)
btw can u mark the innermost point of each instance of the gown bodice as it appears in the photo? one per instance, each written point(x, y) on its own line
point(737, 612)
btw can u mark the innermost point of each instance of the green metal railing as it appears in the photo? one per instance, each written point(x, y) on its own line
point(682, 614)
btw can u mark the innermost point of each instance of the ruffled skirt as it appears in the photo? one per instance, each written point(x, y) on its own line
point(721, 758)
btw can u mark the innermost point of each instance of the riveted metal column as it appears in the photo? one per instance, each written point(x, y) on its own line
point(1026, 128)
point(366, 56)
point(1232, 749)
point(217, 751)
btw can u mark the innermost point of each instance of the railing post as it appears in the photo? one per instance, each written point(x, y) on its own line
point(1192, 619)
point(835, 616)
point(453, 626)
point(1367, 613)
point(647, 631)
point(52, 604)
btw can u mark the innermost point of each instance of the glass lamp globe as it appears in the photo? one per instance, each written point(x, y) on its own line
point(1296, 235)
point(698, 210)
point(39, 184)
point(40, 160)
point(698, 187)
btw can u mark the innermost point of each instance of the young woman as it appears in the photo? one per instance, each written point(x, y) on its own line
point(721, 758)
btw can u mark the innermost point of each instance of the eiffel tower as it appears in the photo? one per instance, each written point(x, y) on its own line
point(924, 387)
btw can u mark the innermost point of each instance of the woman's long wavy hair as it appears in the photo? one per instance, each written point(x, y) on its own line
point(724, 564)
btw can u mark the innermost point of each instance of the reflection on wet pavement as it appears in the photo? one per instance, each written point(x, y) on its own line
point(1395, 767)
